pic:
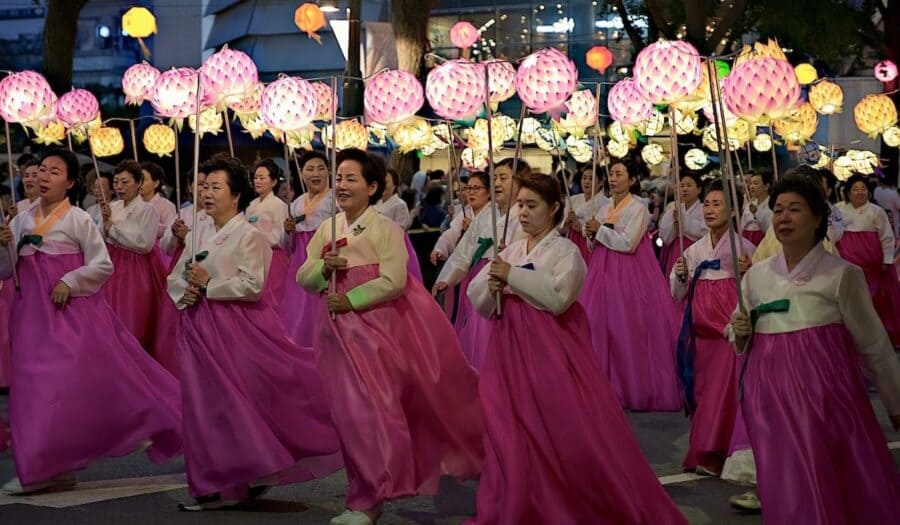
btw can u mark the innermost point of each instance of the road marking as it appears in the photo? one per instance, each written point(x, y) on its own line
point(96, 491)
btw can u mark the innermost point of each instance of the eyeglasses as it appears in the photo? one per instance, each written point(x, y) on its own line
point(474, 189)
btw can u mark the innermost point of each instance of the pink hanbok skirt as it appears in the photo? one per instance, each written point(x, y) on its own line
point(7, 291)
point(412, 266)
point(298, 307)
point(864, 250)
point(276, 276)
point(134, 289)
point(473, 330)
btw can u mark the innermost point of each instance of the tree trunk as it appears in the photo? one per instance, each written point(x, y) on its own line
point(410, 18)
point(60, 28)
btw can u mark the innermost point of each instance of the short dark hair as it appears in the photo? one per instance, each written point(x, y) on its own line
point(309, 155)
point(765, 175)
point(434, 196)
point(108, 176)
point(373, 171)
point(481, 176)
point(273, 169)
point(238, 181)
point(549, 190)
point(33, 161)
point(26, 159)
point(716, 185)
point(799, 182)
point(73, 172)
point(522, 167)
point(634, 169)
point(395, 177)
point(156, 173)
point(132, 168)
point(856, 177)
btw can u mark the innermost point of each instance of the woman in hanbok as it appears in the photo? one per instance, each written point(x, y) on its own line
point(583, 207)
point(821, 456)
point(634, 321)
point(393, 207)
point(558, 448)
point(267, 213)
point(82, 388)
point(29, 187)
point(868, 242)
point(151, 192)
point(705, 277)
point(308, 211)
point(757, 216)
point(255, 414)
point(172, 242)
point(403, 399)
point(477, 193)
point(687, 223)
point(130, 225)
point(474, 252)
point(102, 191)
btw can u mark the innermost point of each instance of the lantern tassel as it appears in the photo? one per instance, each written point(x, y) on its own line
point(315, 36)
point(144, 48)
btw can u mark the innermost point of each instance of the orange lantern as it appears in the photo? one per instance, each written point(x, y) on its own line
point(599, 58)
point(310, 18)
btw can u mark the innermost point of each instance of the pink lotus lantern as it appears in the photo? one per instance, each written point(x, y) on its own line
point(249, 105)
point(455, 89)
point(627, 103)
point(26, 98)
point(138, 81)
point(545, 80)
point(288, 104)
point(175, 93)
point(582, 109)
point(227, 77)
point(501, 80)
point(463, 34)
point(761, 90)
point(885, 71)
point(77, 107)
point(667, 71)
point(392, 96)
point(327, 100)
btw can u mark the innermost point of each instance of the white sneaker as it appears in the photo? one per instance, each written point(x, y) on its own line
point(14, 487)
point(352, 517)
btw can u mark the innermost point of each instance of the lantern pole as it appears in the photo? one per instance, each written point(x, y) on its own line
point(133, 139)
point(595, 151)
point(69, 139)
point(3, 217)
point(750, 153)
point(96, 164)
point(490, 154)
point(333, 181)
point(228, 133)
point(299, 176)
point(675, 169)
point(178, 173)
point(515, 163)
point(195, 189)
point(722, 135)
point(451, 153)
point(774, 157)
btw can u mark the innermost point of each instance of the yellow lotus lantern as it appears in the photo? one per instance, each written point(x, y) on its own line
point(826, 97)
point(478, 135)
point(806, 73)
point(769, 49)
point(80, 133)
point(874, 114)
point(800, 126)
point(159, 139)
point(53, 133)
point(139, 22)
point(891, 136)
point(414, 133)
point(210, 121)
point(350, 134)
point(106, 141)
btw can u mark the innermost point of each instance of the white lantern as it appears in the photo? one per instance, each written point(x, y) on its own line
point(762, 142)
point(652, 154)
point(617, 149)
point(696, 159)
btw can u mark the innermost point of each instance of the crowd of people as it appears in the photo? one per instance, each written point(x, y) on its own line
point(276, 341)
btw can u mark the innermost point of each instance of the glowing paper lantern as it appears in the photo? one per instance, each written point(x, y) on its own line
point(80, 133)
point(599, 58)
point(579, 149)
point(684, 122)
point(654, 125)
point(874, 114)
point(618, 132)
point(393, 96)
point(582, 108)
point(736, 137)
point(139, 22)
point(762, 90)
point(806, 74)
point(77, 108)
point(546, 139)
point(627, 103)
point(309, 18)
point(138, 81)
point(350, 134)
point(842, 167)
point(228, 76)
point(159, 139)
point(478, 135)
point(501, 80)
point(327, 100)
point(617, 149)
point(530, 126)
point(800, 126)
point(762, 142)
point(652, 154)
point(826, 97)
point(768, 49)
point(885, 71)
point(106, 141)
point(289, 104)
point(545, 80)
point(414, 133)
point(474, 160)
point(463, 34)
point(55, 132)
point(26, 98)
point(862, 161)
point(891, 136)
point(378, 133)
point(210, 121)
point(175, 93)
point(696, 159)
point(455, 89)
point(667, 71)
point(249, 105)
